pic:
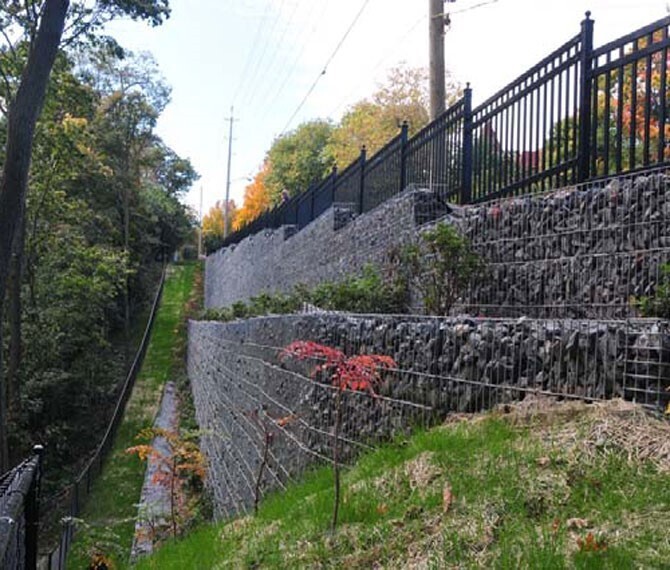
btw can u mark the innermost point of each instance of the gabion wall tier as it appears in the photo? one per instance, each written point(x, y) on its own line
point(580, 252)
point(585, 252)
point(246, 396)
point(330, 248)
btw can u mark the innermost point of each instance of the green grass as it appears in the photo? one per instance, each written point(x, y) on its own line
point(107, 520)
point(525, 494)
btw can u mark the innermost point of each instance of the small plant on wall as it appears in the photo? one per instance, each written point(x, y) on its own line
point(440, 265)
point(657, 305)
point(361, 373)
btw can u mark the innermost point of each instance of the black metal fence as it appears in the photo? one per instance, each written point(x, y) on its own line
point(19, 500)
point(577, 115)
point(74, 496)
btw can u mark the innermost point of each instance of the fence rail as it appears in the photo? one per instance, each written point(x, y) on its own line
point(579, 114)
point(75, 495)
point(19, 502)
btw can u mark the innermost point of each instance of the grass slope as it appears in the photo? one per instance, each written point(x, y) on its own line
point(108, 518)
point(542, 486)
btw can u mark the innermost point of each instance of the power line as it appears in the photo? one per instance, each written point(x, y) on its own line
point(397, 43)
point(266, 44)
point(473, 7)
point(294, 64)
point(273, 56)
point(250, 54)
point(325, 67)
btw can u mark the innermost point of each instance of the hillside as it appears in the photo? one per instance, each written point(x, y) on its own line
point(535, 485)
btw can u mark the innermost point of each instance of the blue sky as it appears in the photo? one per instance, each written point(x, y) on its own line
point(262, 56)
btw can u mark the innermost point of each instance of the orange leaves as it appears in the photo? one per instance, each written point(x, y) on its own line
point(143, 452)
point(256, 200)
point(286, 420)
point(357, 373)
point(184, 457)
point(447, 497)
point(591, 544)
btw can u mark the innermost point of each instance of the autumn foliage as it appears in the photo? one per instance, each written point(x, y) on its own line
point(256, 200)
point(355, 373)
point(182, 463)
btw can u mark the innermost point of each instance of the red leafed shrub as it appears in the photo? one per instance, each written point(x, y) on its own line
point(357, 373)
point(361, 373)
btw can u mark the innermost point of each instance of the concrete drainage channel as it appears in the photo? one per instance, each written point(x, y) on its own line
point(155, 502)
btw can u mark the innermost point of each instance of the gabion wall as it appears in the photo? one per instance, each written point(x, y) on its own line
point(586, 252)
point(579, 252)
point(243, 391)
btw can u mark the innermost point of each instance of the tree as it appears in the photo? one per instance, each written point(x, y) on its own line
point(363, 372)
point(299, 159)
point(179, 462)
point(256, 199)
point(213, 223)
point(375, 121)
point(36, 28)
point(22, 117)
point(628, 95)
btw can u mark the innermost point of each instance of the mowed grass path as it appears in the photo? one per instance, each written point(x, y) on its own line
point(109, 514)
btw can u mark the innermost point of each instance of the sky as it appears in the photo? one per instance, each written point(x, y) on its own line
point(262, 58)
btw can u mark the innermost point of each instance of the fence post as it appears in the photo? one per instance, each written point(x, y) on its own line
point(403, 155)
point(312, 192)
point(585, 64)
point(32, 512)
point(361, 190)
point(333, 184)
point(466, 182)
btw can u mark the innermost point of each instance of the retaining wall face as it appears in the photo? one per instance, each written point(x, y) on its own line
point(574, 253)
point(268, 263)
point(454, 364)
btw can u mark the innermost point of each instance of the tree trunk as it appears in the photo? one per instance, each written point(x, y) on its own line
point(126, 296)
point(336, 457)
point(14, 310)
point(23, 114)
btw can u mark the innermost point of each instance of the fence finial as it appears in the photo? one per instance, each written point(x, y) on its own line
point(38, 449)
point(588, 14)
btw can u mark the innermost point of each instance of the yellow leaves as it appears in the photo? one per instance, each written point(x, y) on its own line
point(256, 199)
point(212, 221)
point(73, 124)
point(142, 451)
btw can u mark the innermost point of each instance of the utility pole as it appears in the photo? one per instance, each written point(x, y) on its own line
point(200, 232)
point(436, 23)
point(230, 153)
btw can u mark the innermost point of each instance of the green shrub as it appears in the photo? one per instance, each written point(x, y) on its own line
point(368, 293)
point(441, 265)
point(657, 305)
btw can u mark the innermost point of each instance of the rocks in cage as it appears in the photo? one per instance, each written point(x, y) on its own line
point(449, 364)
point(595, 246)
